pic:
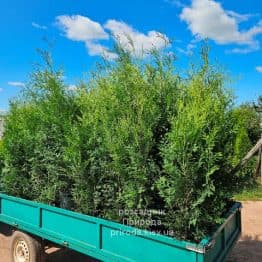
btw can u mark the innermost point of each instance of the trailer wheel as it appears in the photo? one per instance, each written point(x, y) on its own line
point(25, 248)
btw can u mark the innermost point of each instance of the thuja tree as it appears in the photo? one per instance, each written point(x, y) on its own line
point(125, 112)
point(194, 180)
point(35, 140)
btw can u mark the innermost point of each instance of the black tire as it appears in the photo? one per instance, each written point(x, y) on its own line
point(27, 247)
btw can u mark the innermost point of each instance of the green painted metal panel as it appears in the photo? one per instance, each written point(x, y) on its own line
point(69, 227)
point(21, 211)
point(216, 250)
point(110, 241)
point(225, 235)
point(132, 247)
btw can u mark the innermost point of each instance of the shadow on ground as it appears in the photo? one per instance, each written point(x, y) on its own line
point(53, 254)
point(247, 249)
point(66, 255)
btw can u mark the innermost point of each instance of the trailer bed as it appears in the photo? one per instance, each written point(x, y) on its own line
point(110, 241)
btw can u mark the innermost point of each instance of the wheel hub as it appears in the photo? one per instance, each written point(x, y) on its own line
point(21, 251)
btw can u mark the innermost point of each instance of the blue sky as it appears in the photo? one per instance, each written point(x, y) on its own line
point(82, 31)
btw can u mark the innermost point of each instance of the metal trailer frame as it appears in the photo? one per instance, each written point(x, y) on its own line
point(109, 241)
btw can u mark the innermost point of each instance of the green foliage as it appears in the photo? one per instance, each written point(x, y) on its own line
point(137, 136)
point(248, 119)
point(124, 117)
point(35, 139)
point(258, 105)
point(194, 156)
point(247, 131)
point(252, 192)
point(2, 157)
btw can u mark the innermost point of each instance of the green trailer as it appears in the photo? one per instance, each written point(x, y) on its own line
point(106, 240)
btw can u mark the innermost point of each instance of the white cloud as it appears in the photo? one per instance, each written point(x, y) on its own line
point(207, 19)
point(1, 90)
point(36, 25)
point(251, 48)
point(17, 84)
point(135, 41)
point(239, 17)
point(81, 28)
point(259, 69)
point(188, 50)
point(72, 87)
point(176, 3)
point(98, 49)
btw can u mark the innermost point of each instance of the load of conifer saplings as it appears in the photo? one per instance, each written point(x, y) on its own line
point(139, 143)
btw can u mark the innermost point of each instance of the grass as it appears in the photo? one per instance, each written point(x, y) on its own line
point(253, 192)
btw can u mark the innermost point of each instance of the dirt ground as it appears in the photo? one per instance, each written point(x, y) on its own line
point(52, 254)
point(248, 248)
